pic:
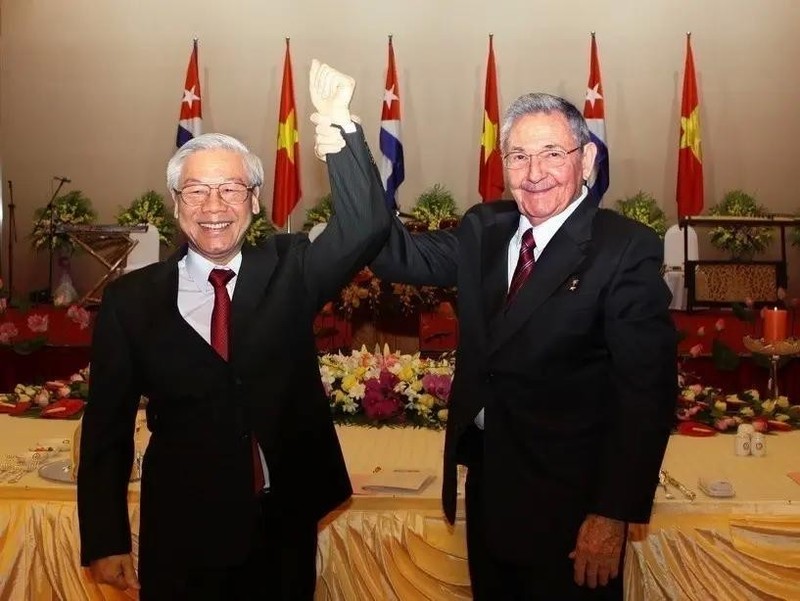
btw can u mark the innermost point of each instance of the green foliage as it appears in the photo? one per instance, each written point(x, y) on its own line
point(741, 241)
point(260, 229)
point(434, 206)
point(150, 209)
point(642, 207)
point(320, 213)
point(72, 208)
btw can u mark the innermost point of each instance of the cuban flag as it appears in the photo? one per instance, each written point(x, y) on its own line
point(191, 119)
point(594, 113)
point(391, 163)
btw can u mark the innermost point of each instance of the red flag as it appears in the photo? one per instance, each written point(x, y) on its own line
point(690, 165)
point(490, 178)
point(286, 193)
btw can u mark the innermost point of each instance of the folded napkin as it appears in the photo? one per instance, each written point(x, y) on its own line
point(716, 487)
point(14, 408)
point(63, 409)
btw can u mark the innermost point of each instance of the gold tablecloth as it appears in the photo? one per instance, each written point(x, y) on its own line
point(400, 548)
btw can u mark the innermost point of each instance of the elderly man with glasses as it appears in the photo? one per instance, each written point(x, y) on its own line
point(243, 459)
point(565, 377)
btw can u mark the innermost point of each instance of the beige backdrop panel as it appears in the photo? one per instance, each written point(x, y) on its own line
point(90, 90)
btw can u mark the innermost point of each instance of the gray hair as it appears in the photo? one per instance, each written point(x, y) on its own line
point(252, 164)
point(539, 102)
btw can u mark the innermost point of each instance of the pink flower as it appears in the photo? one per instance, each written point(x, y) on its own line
point(38, 323)
point(79, 315)
point(722, 424)
point(748, 302)
point(438, 385)
point(696, 388)
point(7, 331)
point(380, 400)
point(696, 350)
point(719, 325)
point(701, 331)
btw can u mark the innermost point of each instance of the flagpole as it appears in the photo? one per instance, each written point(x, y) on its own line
point(289, 224)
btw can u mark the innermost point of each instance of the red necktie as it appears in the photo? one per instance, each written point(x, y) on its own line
point(525, 264)
point(220, 329)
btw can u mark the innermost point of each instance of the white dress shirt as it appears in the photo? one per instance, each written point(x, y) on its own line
point(196, 300)
point(542, 234)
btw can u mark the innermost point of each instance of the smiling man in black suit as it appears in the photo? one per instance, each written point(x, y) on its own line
point(565, 377)
point(243, 459)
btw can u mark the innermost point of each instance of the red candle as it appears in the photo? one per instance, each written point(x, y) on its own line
point(775, 324)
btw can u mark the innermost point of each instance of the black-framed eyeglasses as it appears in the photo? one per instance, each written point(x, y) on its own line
point(231, 193)
point(549, 157)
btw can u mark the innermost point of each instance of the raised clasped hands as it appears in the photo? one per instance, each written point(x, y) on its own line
point(116, 570)
point(331, 93)
point(597, 551)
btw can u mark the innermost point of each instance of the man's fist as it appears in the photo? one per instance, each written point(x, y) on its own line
point(116, 570)
point(331, 92)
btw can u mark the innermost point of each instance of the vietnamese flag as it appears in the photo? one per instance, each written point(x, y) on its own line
point(490, 178)
point(690, 164)
point(286, 192)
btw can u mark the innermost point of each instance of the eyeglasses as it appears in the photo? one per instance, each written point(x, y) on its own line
point(231, 193)
point(549, 157)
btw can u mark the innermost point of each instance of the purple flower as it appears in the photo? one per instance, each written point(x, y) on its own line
point(438, 385)
point(381, 402)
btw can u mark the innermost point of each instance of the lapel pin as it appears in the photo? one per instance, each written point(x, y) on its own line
point(573, 284)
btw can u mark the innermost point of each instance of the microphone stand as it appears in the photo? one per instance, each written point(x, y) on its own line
point(51, 209)
point(12, 238)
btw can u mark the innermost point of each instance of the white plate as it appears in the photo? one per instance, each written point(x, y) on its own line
point(58, 471)
point(61, 471)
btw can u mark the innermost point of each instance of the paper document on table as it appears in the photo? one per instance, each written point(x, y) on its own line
point(397, 481)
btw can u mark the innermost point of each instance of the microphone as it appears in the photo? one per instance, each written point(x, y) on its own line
point(66, 180)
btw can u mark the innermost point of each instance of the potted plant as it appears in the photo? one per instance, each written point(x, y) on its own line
point(72, 208)
point(150, 209)
point(435, 209)
point(741, 241)
point(319, 213)
point(642, 207)
point(260, 229)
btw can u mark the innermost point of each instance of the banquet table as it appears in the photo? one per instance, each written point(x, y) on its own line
point(398, 547)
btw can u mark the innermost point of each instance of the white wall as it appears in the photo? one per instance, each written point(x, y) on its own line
point(91, 90)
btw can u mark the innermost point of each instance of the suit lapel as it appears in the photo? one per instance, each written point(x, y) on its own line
point(494, 264)
point(258, 265)
point(562, 257)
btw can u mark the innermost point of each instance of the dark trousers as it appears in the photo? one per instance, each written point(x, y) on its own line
point(551, 578)
point(281, 566)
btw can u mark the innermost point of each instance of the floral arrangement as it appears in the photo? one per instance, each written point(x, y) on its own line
point(741, 241)
point(260, 228)
point(709, 407)
point(55, 399)
point(73, 209)
point(435, 209)
point(363, 293)
point(320, 213)
point(150, 208)
point(642, 207)
point(387, 388)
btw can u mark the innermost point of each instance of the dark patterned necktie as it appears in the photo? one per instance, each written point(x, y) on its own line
point(525, 264)
point(220, 333)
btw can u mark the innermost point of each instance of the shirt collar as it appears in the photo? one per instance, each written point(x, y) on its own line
point(543, 232)
point(199, 268)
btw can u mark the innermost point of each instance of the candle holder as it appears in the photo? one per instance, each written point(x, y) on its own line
point(775, 351)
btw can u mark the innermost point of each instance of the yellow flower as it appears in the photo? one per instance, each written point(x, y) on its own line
point(406, 373)
point(720, 406)
point(427, 400)
point(782, 402)
point(416, 385)
point(768, 406)
point(442, 415)
point(348, 382)
point(747, 412)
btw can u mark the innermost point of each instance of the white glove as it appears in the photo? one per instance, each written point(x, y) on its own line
point(327, 138)
point(331, 92)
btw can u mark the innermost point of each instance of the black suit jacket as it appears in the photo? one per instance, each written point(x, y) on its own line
point(577, 374)
point(197, 500)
